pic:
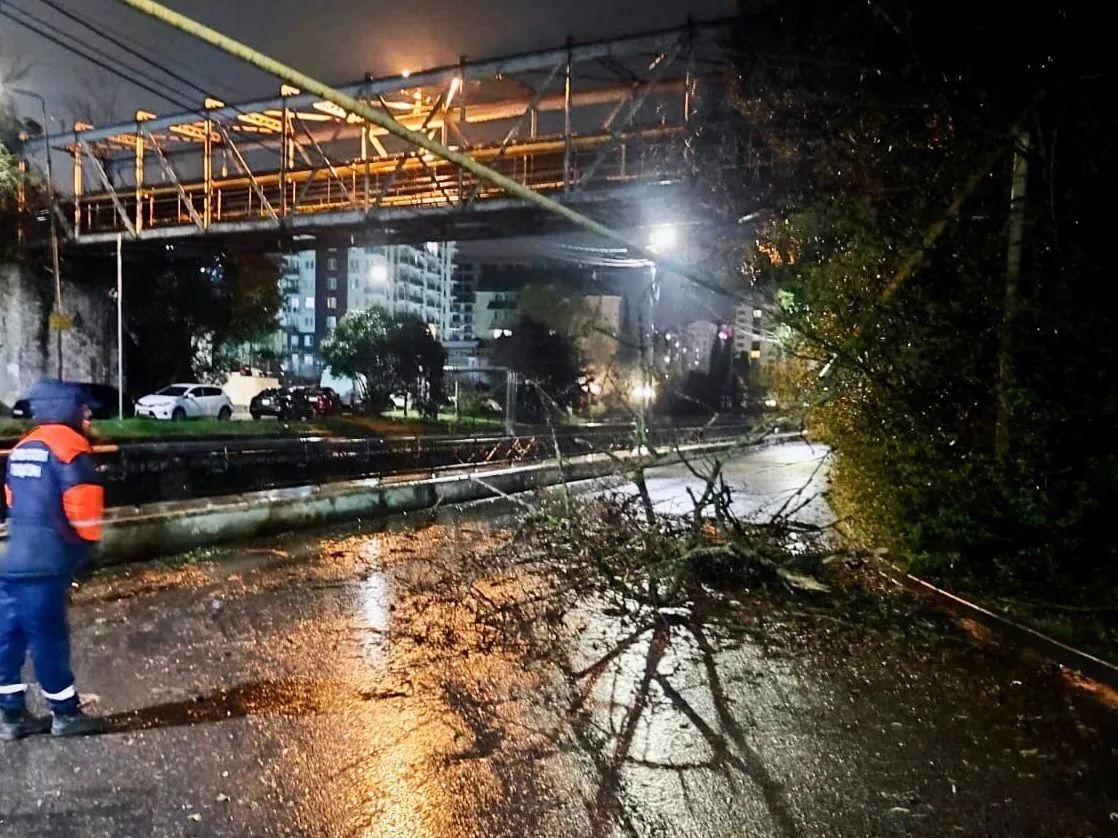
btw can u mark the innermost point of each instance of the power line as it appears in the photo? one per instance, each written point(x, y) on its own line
point(99, 59)
point(210, 81)
point(102, 59)
point(128, 50)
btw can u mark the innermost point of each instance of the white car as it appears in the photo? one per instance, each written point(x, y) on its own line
point(186, 401)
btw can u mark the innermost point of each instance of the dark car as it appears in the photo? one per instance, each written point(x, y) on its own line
point(106, 396)
point(275, 401)
point(320, 401)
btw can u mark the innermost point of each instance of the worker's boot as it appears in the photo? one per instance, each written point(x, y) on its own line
point(16, 724)
point(75, 724)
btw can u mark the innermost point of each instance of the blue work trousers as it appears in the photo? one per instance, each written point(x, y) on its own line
point(33, 617)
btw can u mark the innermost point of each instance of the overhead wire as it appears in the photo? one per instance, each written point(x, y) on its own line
point(97, 57)
point(210, 83)
point(121, 45)
point(102, 59)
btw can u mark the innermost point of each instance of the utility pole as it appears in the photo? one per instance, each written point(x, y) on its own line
point(120, 325)
point(1015, 246)
point(59, 319)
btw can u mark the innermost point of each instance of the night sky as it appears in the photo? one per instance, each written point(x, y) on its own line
point(338, 40)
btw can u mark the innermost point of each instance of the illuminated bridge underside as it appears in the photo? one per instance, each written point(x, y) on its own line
point(413, 200)
point(599, 126)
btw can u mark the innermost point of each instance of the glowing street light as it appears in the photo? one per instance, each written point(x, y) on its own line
point(663, 239)
point(643, 392)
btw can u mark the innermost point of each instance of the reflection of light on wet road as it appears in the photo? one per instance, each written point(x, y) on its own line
point(373, 594)
point(761, 482)
point(428, 683)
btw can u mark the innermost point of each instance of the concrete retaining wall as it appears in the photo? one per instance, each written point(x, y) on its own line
point(29, 349)
point(142, 532)
point(162, 529)
point(165, 529)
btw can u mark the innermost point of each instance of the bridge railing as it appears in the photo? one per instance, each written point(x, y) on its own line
point(267, 199)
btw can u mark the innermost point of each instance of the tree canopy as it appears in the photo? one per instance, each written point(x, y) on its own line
point(546, 358)
point(389, 356)
point(184, 306)
point(962, 333)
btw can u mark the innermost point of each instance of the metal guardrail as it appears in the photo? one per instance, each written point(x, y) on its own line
point(150, 472)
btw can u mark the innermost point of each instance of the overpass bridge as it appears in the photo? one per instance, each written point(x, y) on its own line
point(603, 126)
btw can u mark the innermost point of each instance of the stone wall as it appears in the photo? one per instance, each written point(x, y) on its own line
point(29, 350)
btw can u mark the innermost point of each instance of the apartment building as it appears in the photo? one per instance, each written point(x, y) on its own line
point(321, 286)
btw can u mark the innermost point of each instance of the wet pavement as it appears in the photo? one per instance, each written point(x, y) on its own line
point(429, 681)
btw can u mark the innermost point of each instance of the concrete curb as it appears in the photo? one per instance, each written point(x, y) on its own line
point(160, 529)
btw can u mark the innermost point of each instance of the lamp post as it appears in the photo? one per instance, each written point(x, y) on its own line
point(661, 240)
point(53, 222)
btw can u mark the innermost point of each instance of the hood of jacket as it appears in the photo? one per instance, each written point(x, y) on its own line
point(56, 402)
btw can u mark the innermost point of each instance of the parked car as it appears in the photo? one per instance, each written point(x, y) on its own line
point(296, 403)
point(107, 399)
point(186, 401)
point(275, 401)
point(320, 401)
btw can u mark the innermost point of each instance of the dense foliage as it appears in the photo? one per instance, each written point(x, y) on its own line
point(956, 349)
point(388, 356)
point(183, 306)
point(549, 363)
point(9, 174)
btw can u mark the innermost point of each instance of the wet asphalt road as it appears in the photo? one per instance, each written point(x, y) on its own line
point(414, 683)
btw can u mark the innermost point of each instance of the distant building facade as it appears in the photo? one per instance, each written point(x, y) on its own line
point(321, 286)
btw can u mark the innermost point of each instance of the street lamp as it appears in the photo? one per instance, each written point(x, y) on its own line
point(661, 239)
point(53, 223)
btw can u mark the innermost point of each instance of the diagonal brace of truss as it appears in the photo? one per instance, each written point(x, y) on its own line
point(426, 166)
point(515, 129)
point(108, 187)
point(661, 65)
point(326, 161)
point(247, 172)
point(169, 171)
point(414, 152)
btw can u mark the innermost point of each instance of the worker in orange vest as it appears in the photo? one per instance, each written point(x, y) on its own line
point(55, 505)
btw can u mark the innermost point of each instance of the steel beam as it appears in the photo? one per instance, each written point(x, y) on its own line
point(240, 160)
point(139, 180)
point(654, 42)
point(169, 171)
point(329, 165)
point(357, 219)
point(404, 158)
point(529, 113)
point(660, 66)
point(109, 189)
point(79, 182)
point(567, 123)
